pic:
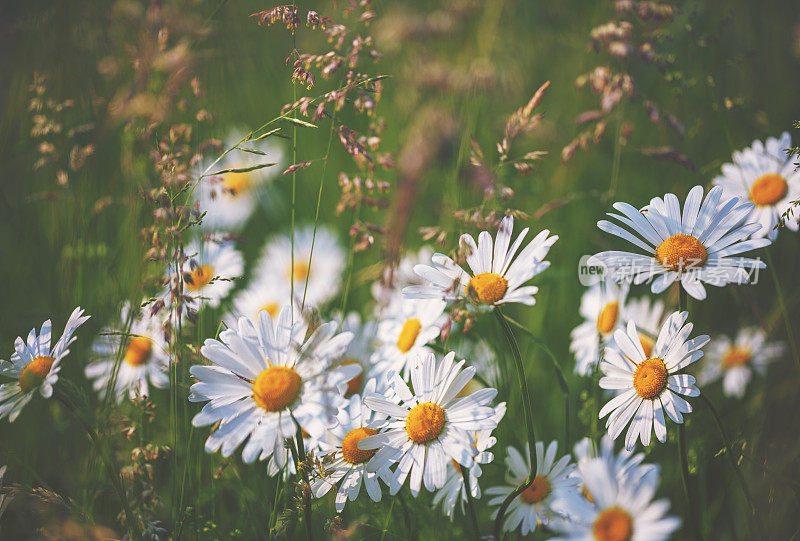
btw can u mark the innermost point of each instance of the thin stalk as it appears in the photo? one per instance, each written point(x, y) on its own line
point(108, 462)
point(528, 410)
point(562, 380)
point(684, 461)
point(692, 511)
point(350, 257)
point(316, 214)
point(301, 456)
point(734, 465)
point(294, 171)
point(782, 304)
point(388, 517)
point(273, 516)
point(476, 532)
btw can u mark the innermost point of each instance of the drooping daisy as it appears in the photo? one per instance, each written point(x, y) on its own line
point(622, 509)
point(483, 358)
point(649, 385)
point(626, 464)
point(35, 365)
point(208, 274)
point(407, 327)
point(736, 361)
point(694, 248)
point(453, 490)
point(648, 315)
point(602, 307)
point(359, 352)
point(543, 500)
point(263, 293)
point(346, 464)
point(145, 359)
point(427, 428)
point(401, 276)
point(263, 375)
point(323, 274)
point(496, 276)
point(229, 199)
point(767, 176)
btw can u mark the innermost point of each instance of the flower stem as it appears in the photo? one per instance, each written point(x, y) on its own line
point(109, 462)
point(476, 532)
point(562, 381)
point(273, 516)
point(528, 410)
point(734, 465)
point(684, 461)
point(782, 305)
point(299, 459)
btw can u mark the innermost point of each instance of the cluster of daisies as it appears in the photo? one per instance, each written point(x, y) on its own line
point(382, 404)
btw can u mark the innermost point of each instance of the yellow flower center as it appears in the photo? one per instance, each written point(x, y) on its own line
point(607, 318)
point(236, 183)
point(768, 190)
point(272, 309)
point(650, 378)
point(613, 524)
point(647, 344)
point(487, 287)
point(299, 271)
point(350, 451)
point(355, 384)
point(408, 335)
point(425, 422)
point(199, 277)
point(538, 490)
point(736, 356)
point(35, 373)
point(680, 252)
point(276, 388)
point(139, 350)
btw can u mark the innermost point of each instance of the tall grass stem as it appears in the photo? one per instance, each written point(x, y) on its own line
point(527, 407)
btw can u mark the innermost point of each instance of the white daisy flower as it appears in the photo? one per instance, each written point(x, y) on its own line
point(230, 198)
point(427, 428)
point(648, 315)
point(263, 293)
point(359, 352)
point(144, 363)
point(626, 464)
point(497, 276)
point(764, 174)
point(483, 358)
point(602, 306)
point(323, 275)
point(650, 385)
point(543, 500)
point(736, 361)
point(694, 248)
point(407, 327)
point(622, 508)
point(263, 375)
point(346, 464)
point(35, 365)
point(208, 274)
point(403, 275)
point(453, 490)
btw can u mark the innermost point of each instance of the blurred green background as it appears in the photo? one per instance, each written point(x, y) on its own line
point(731, 73)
